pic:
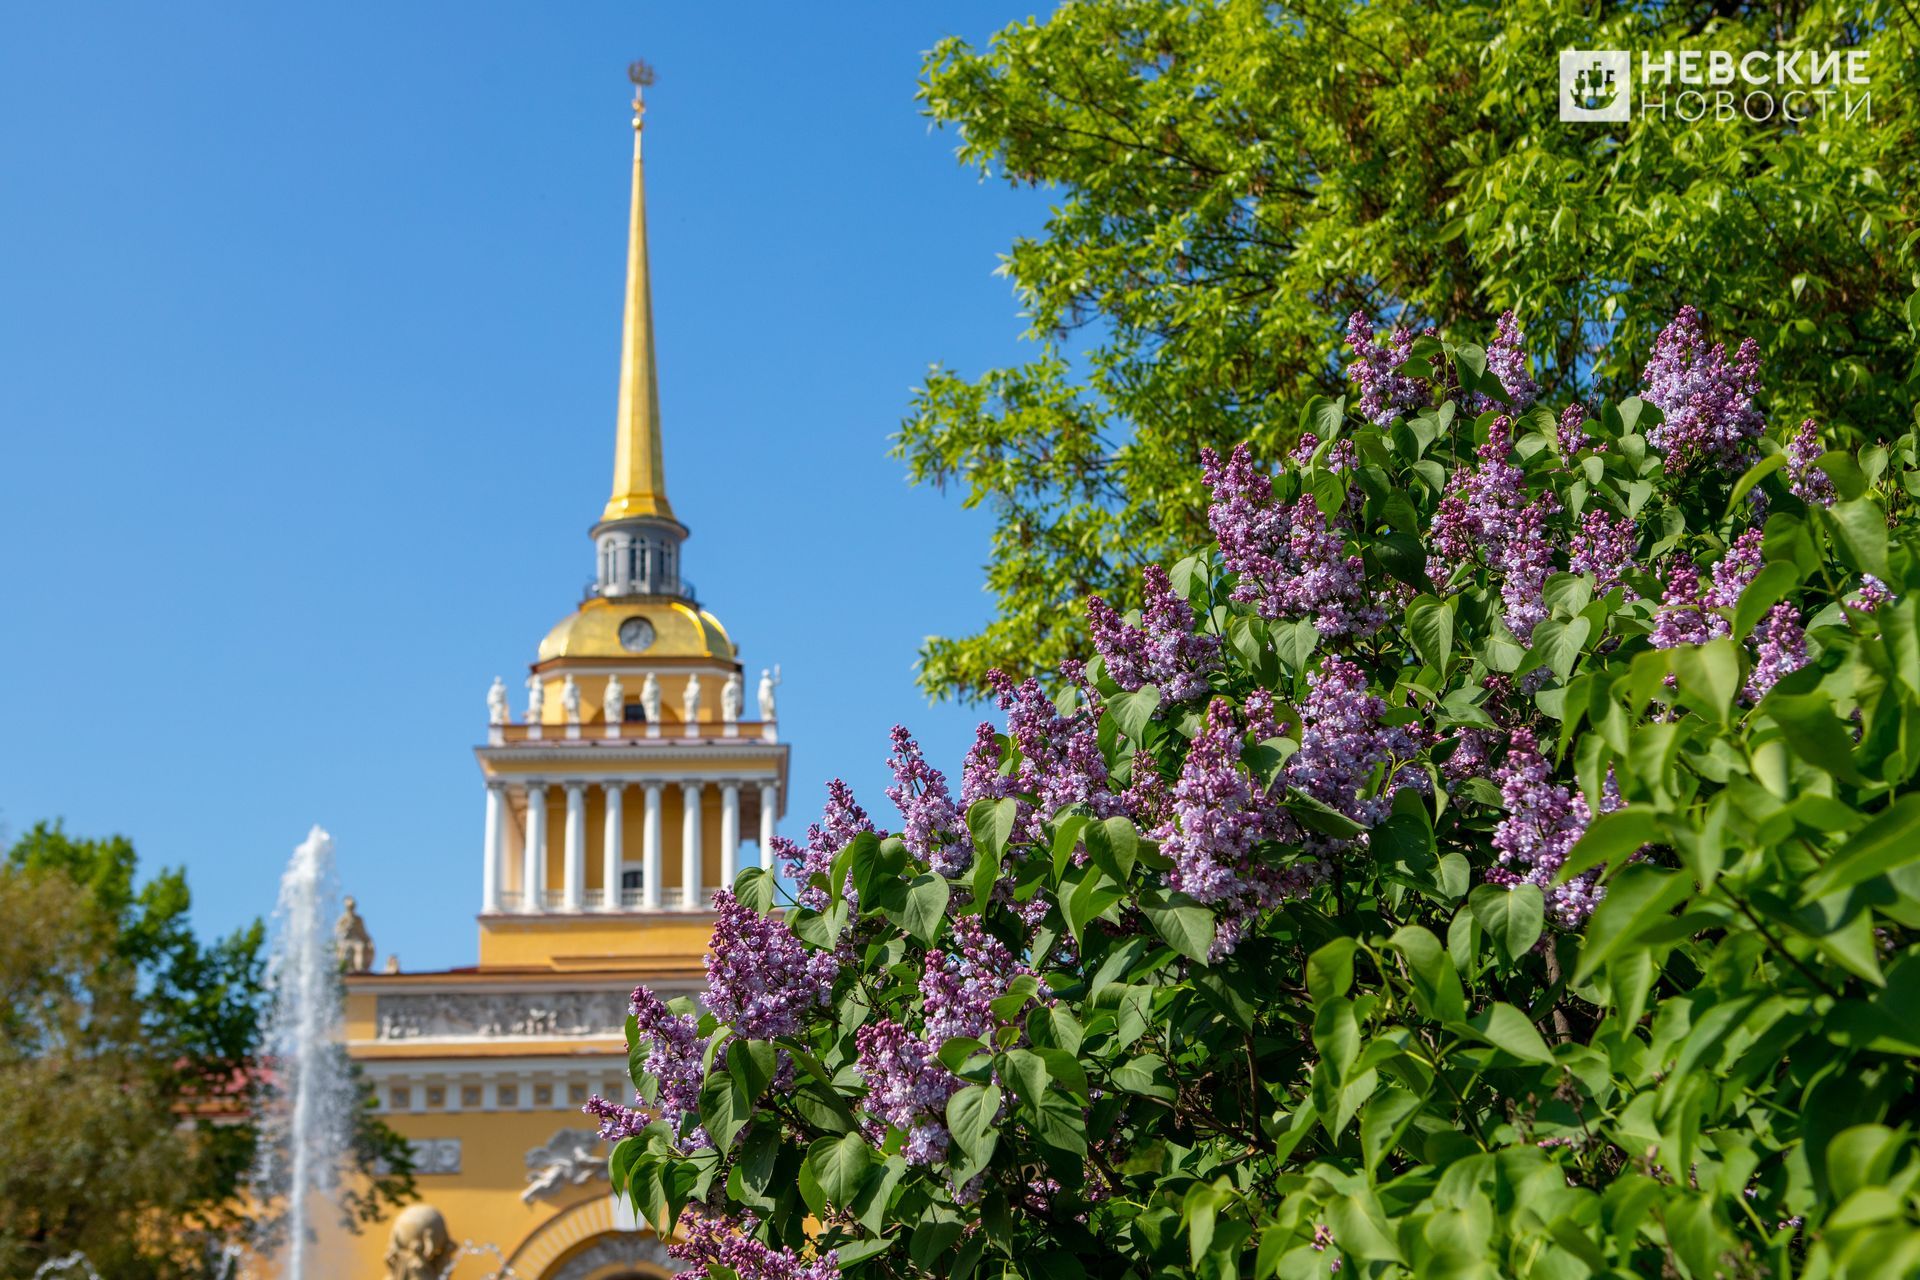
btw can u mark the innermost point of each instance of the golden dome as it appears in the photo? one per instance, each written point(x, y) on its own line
point(679, 631)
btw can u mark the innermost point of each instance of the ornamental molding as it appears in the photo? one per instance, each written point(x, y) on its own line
point(497, 1015)
point(618, 1250)
point(435, 1155)
point(599, 751)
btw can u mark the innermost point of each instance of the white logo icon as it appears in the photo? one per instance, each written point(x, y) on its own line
point(1594, 84)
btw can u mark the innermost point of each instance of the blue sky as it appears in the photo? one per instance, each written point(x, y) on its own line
point(308, 346)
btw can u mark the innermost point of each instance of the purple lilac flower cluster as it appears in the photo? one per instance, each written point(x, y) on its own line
point(1488, 515)
point(1780, 647)
point(673, 1057)
point(1806, 481)
point(934, 829)
point(1604, 546)
point(1872, 594)
point(712, 1241)
point(1384, 394)
point(1683, 617)
point(907, 1086)
point(1219, 816)
point(1164, 651)
point(1344, 740)
point(1290, 559)
point(1735, 571)
point(1507, 361)
point(1544, 819)
point(1571, 434)
point(842, 820)
point(1706, 397)
point(761, 979)
point(1060, 762)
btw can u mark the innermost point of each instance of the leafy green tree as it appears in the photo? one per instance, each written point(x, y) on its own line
point(1496, 855)
point(1234, 179)
point(129, 1071)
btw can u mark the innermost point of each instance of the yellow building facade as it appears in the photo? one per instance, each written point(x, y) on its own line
point(643, 770)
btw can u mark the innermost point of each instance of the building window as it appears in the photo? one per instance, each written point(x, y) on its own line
point(633, 713)
point(576, 1095)
point(633, 879)
point(543, 1095)
point(469, 1095)
point(400, 1098)
point(508, 1094)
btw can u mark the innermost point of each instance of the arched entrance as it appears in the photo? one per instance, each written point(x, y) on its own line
point(593, 1240)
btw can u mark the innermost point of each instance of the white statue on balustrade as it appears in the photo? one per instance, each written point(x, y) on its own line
point(570, 701)
point(768, 679)
point(613, 705)
point(690, 701)
point(497, 702)
point(731, 696)
point(536, 699)
point(650, 698)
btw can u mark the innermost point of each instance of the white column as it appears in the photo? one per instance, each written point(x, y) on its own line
point(692, 897)
point(769, 809)
point(574, 876)
point(729, 832)
point(650, 848)
point(495, 850)
point(612, 849)
point(533, 870)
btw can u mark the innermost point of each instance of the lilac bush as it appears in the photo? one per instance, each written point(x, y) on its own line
point(1489, 857)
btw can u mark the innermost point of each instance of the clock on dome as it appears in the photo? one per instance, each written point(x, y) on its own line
point(636, 635)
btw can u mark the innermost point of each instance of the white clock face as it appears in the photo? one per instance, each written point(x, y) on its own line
point(636, 634)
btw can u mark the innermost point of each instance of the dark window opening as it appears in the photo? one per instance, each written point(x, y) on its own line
point(631, 880)
point(633, 713)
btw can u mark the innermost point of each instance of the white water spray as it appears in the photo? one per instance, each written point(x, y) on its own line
point(304, 1136)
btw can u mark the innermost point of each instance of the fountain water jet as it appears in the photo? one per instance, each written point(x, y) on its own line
point(304, 1134)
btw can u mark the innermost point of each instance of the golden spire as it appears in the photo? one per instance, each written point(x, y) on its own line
point(639, 470)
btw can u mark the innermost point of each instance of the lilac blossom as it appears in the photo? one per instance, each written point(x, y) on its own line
point(1780, 647)
point(1705, 395)
point(961, 981)
point(1572, 431)
point(842, 820)
point(1683, 617)
point(1525, 562)
point(1060, 761)
point(1603, 546)
point(1290, 559)
point(1544, 819)
point(1219, 815)
point(712, 1241)
point(1164, 651)
point(1384, 394)
point(615, 1121)
point(1343, 740)
point(1735, 571)
point(935, 830)
point(981, 777)
point(907, 1088)
point(1488, 516)
point(761, 980)
point(1872, 594)
point(1805, 480)
point(1507, 361)
point(673, 1058)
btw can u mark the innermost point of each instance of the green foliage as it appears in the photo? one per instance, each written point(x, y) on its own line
point(1234, 179)
point(1405, 1067)
point(127, 1070)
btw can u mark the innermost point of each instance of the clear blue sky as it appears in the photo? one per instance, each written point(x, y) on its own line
point(308, 343)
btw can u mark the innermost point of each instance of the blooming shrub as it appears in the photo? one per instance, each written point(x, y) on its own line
point(1498, 856)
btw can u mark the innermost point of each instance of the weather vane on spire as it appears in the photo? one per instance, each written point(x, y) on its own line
point(641, 74)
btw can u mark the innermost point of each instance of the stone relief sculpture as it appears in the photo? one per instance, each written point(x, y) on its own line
point(419, 1247)
point(435, 1155)
point(570, 700)
point(416, 1015)
point(768, 680)
point(567, 1160)
point(497, 702)
point(351, 941)
point(650, 698)
point(690, 703)
point(613, 704)
point(731, 698)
